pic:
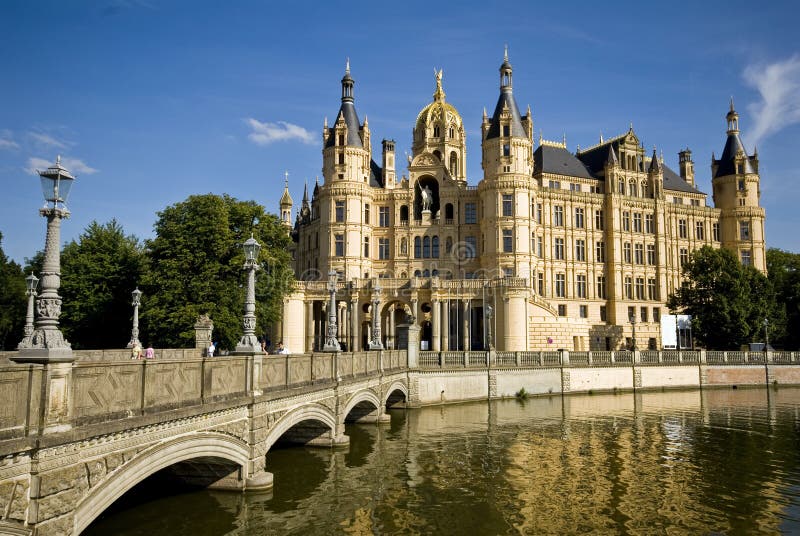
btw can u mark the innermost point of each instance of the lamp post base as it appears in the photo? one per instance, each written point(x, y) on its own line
point(248, 345)
point(44, 346)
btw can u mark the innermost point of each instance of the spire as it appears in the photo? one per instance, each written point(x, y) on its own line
point(734, 154)
point(733, 120)
point(506, 104)
point(655, 167)
point(305, 193)
point(347, 112)
point(286, 198)
point(612, 156)
point(347, 84)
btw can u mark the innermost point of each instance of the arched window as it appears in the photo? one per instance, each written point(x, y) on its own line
point(404, 213)
point(438, 155)
point(645, 190)
point(436, 131)
point(621, 186)
point(453, 164)
point(451, 133)
point(426, 273)
point(448, 211)
point(417, 273)
point(632, 189)
point(417, 247)
point(448, 245)
point(426, 247)
point(435, 273)
point(435, 247)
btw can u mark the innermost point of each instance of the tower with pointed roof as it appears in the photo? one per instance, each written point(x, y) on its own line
point(737, 191)
point(506, 189)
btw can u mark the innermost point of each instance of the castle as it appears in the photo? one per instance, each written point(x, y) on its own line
point(551, 249)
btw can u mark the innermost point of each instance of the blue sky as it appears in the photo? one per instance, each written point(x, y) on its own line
point(149, 102)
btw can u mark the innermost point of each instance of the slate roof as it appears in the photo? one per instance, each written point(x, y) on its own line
point(506, 99)
point(558, 160)
point(726, 164)
point(674, 182)
point(375, 175)
point(348, 110)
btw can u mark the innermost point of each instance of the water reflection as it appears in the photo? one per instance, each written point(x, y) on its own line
point(672, 462)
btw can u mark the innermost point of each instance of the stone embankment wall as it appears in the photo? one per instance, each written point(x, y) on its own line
point(460, 376)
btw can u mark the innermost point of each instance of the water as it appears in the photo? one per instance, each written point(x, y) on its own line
point(724, 461)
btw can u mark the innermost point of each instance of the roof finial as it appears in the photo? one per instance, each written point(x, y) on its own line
point(601, 136)
point(564, 140)
point(286, 178)
point(505, 53)
point(630, 129)
point(541, 137)
point(58, 160)
point(347, 66)
point(439, 93)
point(732, 104)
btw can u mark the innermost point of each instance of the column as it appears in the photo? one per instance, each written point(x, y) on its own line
point(354, 339)
point(310, 326)
point(392, 337)
point(466, 325)
point(436, 325)
point(446, 325)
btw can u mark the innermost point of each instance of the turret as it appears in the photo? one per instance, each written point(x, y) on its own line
point(686, 166)
point(736, 185)
point(389, 176)
point(286, 204)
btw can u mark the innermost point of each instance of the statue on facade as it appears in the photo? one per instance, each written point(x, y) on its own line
point(427, 198)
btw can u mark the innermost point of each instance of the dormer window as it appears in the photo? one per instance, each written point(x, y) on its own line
point(341, 139)
point(741, 185)
point(506, 130)
point(436, 132)
point(739, 168)
point(451, 133)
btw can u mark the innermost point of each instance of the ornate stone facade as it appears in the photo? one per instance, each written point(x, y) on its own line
point(564, 247)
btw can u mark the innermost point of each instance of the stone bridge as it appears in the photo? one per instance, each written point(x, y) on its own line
point(74, 437)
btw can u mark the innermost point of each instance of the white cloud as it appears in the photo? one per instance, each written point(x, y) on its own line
point(266, 133)
point(75, 166)
point(47, 140)
point(779, 86)
point(7, 141)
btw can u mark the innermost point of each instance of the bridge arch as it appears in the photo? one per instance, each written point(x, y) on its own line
point(364, 395)
point(311, 412)
point(395, 386)
point(204, 444)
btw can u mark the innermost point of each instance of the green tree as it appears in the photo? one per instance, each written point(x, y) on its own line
point(728, 301)
point(98, 272)
point(13, 301)
point(783, 271)
point(196, 261)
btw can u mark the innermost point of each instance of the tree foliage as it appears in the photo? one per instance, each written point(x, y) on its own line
point(195, 267)
point(783, 269)
point(13, 302)
point(728, 301)
point(99, 271)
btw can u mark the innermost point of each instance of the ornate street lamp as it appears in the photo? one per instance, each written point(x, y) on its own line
point(633, 323)
point(766, 335)
point(375, 343)
point(136, 296)
point(249, 343)
point(331, 341)
point(31, 281)
point(46, 343)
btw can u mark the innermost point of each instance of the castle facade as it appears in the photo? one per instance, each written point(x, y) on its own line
point(550, 249)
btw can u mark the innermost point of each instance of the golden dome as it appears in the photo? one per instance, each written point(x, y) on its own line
point(439, 112)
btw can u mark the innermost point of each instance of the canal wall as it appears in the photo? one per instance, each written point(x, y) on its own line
point(450, 378)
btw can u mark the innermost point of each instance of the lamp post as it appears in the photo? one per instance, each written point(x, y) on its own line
point(766, 335)
point(331, 341)
point(489, 314)
point(46, 343)
point(633, 324)
point(31, 281)
point(249, 342)
point(375, 343)
point(136, 296)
